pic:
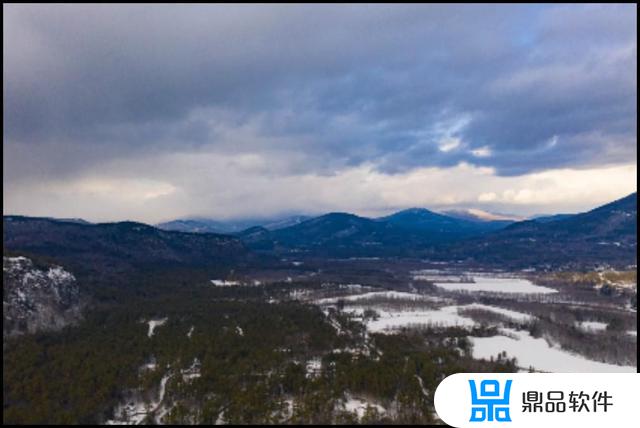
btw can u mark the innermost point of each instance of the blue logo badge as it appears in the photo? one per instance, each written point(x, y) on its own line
point(488, 405)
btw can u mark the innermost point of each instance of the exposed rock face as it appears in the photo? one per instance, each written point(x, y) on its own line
point(37, 299)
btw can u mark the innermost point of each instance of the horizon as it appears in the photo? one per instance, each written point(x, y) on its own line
point(309, 216)
point(319, 214)
point(164, 112)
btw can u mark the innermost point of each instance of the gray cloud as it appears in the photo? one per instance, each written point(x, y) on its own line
point(324, 87)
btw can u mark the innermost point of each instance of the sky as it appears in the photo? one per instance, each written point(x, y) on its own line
point(157, 112)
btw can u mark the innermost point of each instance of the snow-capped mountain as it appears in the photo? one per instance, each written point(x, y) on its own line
point(475, 214)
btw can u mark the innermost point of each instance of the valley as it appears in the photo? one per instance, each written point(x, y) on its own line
point(390, 296)
point(314, 214)
point(198, 328)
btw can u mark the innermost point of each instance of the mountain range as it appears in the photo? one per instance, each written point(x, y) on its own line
point(606, 234)
point(475, 214)
point(204, 225)
point(422, 218)
point(407, 233)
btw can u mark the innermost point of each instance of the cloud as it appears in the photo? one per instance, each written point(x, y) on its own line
point(487, 197)
point(308, 91)
point(481, 152)
point(239, 186)
point(449, 144)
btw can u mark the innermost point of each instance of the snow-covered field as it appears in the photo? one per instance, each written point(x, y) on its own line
point(495, 284)
point(538, 354)
point(390, 320)
point(395, 310)
point(447, 316)
point(514, 315)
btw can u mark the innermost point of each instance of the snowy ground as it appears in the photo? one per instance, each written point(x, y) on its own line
point(514, 315)
point(390, 295)
point(313, 367)
point(359, 406)
point(135, 411)
point(193, 372)
point(592, 325)
point(390, 320)
point(538, 354)
point(153, 324)
point(495, 284)
point(223, 283)
point(446, 316)
point(392, 315)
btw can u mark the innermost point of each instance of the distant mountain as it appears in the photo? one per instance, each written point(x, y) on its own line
point(615, 221)
point(71, 220)
point(441, 226)
point(203, 225)
point(550, 218)
point(418, 225)
point(606, 234)
point(406, 233)
point(474, 214)
point(117, 246)
point(338, 234)
point(257, 238)
point(284, 222)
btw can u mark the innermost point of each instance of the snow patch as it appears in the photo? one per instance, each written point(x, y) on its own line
point(425, 393)
point(537, 353)
point(313, 367)
point(224, 283)
point(391, 295)
point(514, 315)
point(155, 323)
point(496, 285)
point(135, 411)
point(359, 406)
point(592, 325)
point(393, 320)
point(193, 372)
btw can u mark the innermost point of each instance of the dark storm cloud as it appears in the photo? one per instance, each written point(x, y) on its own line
point(538, 87)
